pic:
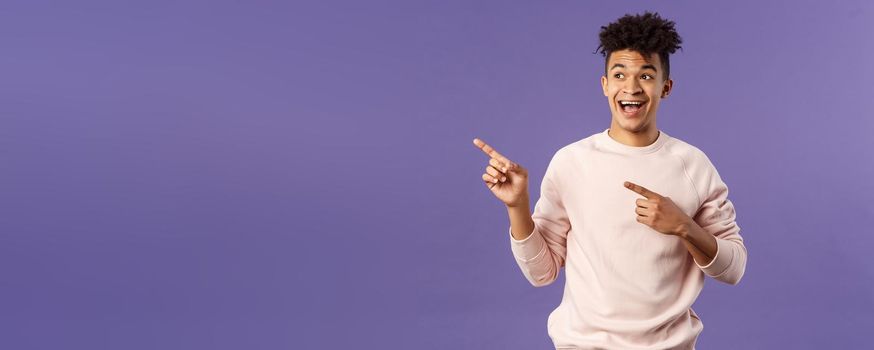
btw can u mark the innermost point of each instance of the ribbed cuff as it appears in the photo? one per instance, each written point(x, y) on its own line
point(721, 261)
point(528, 249)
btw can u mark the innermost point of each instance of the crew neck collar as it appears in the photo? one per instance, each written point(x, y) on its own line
point(610, 143)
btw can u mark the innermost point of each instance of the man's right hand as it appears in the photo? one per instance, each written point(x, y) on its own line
point(507, 180)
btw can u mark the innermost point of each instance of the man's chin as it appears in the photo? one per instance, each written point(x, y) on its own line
point(632, 126)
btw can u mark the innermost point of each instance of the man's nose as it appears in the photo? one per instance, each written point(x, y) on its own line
point(632, 87)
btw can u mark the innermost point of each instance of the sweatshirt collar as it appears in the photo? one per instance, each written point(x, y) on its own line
point(609, 143)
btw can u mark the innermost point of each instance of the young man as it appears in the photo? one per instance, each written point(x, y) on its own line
point(636, 217)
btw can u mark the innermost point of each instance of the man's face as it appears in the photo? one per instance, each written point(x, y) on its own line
point(634, 85)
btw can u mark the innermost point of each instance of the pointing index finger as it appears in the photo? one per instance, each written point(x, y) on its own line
point(643, 191)
point(491, 152)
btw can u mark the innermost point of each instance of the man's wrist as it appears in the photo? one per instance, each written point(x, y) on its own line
point(685, 230)
point(523, 202)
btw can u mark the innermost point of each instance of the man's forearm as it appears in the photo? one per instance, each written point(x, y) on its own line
point(698, 242)
point(520, 219)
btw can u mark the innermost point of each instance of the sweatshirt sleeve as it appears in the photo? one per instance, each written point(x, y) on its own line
point(717, 216)
point(541, 255)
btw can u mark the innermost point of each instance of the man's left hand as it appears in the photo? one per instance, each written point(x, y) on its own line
point(659, 212)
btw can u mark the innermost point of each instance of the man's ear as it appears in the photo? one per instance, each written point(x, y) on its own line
point(604, 84)
point(666, 90)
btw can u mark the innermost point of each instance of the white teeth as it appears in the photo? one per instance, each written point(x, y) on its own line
point(626, 103)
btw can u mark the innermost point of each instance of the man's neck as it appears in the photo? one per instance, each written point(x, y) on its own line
point(634, 139)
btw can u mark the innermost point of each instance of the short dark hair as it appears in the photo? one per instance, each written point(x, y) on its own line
point(645, 33)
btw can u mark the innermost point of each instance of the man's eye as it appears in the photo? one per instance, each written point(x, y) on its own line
point(647, 77)
point(618, 75)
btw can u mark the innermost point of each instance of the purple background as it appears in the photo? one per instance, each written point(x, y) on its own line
point(265, 175)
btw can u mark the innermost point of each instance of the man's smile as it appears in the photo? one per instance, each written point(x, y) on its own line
point(631, 108)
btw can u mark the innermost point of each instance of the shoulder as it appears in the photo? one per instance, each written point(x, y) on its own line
point(569, 157)
point(698, 167)
point(693, 158)
point(577, 149)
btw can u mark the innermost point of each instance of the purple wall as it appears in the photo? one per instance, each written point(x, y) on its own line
point(243, 175)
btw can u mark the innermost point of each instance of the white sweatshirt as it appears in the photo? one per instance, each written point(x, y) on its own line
point(627, 286)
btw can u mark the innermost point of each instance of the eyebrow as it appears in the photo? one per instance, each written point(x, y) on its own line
point(645, 66)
